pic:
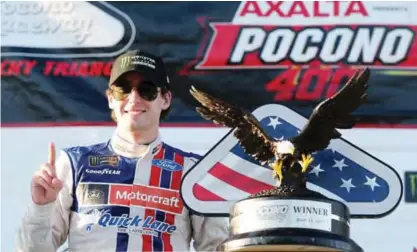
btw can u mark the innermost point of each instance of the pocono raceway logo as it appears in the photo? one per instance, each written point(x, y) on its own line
point(146, 197)
point(64, 29)
point(59, 35)
point(320, 41)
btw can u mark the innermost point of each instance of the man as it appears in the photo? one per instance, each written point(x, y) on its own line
point(121, 195)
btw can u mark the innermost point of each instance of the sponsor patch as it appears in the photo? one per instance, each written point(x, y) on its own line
point(136, 224)
point(105, 171)
point(95, 161)
point(130, 195)
point(92, 194)
point(147, 197)
point(126, 224)
point(167, 164)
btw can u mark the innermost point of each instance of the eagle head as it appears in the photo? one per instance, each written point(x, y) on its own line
point(287, 167)
point(285, 147)
point(285, 152)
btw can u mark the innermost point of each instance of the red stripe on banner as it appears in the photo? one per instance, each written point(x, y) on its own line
point(238, 180)
point(154, 180)
point(203, 194)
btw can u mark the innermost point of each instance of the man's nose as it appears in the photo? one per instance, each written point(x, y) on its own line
point(134, 96)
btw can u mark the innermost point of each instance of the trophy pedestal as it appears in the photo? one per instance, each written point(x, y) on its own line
point(289, 241)
point(276, 223)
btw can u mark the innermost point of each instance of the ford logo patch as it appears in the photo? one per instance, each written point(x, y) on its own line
point(167, 164)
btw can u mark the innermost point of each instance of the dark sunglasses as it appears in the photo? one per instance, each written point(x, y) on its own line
point(146, 90)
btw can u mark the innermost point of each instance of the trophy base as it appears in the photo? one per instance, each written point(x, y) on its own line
point(286, 220)
point(290, 240)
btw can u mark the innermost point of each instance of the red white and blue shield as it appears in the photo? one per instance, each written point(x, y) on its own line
point(368, 186)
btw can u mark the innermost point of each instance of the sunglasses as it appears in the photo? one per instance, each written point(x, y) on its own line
point(146, 90)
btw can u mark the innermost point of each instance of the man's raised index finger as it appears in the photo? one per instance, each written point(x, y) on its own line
point(51, 154)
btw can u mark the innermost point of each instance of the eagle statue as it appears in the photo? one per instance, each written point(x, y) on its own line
point(289, 159)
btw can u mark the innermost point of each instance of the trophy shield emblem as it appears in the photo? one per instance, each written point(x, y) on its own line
point(280, 212)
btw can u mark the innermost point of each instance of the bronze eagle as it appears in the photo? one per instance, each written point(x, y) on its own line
point(329, 115)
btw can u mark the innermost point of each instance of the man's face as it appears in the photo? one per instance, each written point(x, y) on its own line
point(137, 103)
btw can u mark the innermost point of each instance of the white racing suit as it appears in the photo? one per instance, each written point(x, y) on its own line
point(118, 196)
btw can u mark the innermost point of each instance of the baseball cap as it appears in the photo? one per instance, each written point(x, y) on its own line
point(150, 66)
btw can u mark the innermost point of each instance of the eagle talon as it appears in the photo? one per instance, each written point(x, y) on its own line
point(277, 167)
point(306, 161)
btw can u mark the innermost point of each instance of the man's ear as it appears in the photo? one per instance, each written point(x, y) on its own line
point(110, 100)
point(166, 100)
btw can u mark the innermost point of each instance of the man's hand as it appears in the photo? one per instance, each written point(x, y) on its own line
point(45, 183)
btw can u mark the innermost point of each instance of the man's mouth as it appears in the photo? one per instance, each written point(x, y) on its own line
point(135, 111)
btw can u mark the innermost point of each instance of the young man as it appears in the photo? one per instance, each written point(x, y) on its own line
point(121, 195)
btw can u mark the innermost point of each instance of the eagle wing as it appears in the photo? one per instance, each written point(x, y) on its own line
point(332, 113)
point(250, 134)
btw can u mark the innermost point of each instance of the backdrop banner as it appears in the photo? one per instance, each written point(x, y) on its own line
point(57, 56)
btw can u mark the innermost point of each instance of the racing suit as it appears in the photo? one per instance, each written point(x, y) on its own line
point(119, 196)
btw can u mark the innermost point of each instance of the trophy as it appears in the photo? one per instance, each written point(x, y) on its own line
point(289, 217)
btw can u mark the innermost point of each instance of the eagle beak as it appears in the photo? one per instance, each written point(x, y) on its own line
point(292, 150)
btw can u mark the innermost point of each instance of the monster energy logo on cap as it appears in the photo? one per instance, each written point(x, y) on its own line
point(137, 60)
point(125, 62)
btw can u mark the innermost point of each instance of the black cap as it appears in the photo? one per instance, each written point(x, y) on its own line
point(151, 67)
